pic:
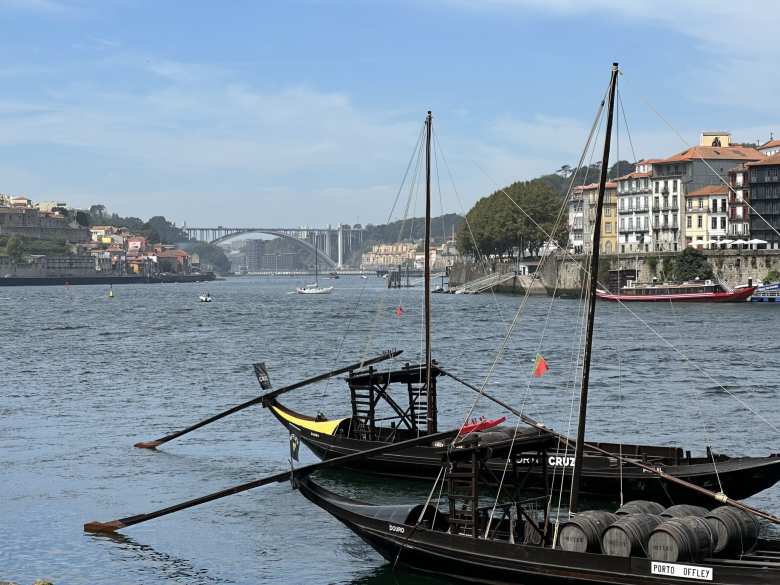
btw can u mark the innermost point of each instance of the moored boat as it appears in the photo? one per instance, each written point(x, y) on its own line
point(678, 292)
point(766, 293)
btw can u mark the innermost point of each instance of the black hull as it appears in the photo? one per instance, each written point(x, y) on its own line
point(502, 563)
point(740, 477)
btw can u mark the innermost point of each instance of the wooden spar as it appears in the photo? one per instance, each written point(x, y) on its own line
point(592, 281)
point(432, 415)
point(719, 497)
point(114, 525)
point(266, 398)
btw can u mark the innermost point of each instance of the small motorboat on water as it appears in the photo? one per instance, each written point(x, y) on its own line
point(766, 293)
point(205, 298)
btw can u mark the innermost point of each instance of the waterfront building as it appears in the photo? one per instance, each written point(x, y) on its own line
point(609, 225)
point(576, 221)
point(770, 148)
point(254, 250)
point(50, 206)
point(386, 255)
point(765, 199)
point(21, 202)
point(686, 172)
point(739, 203)
point(634, 192)
point(706, 215)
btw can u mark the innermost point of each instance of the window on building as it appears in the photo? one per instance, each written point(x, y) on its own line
point(608, 227)
point(608, 211)
point(674, 201)
point(689, 222)
point(656, 188)
point(723, 223)
point(666, 220)
point(622, 223)
point(644, 222)
point(715, 206)
point(630, 223)
point(644, 202)
point(723, 205)
point(674, 220)
point(699, 221)
point(701, 204)
point(674, 186)
point(655, 203)
point(714, 223)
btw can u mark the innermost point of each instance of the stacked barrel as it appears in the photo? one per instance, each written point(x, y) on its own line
point(681, 533)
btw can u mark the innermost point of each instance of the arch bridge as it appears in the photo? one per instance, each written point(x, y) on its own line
point(331, 244)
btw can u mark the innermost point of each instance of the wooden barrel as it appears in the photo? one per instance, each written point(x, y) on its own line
point(640, 507)
point(681, 539)
point(629, 535)
point(683, 510)
point(735, 531)
point(583, 532)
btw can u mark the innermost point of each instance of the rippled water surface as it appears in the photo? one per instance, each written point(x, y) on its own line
point(84, 377)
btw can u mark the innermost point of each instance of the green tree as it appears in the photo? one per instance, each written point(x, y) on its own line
point(14, 249)
point(520, 216)
point(691, 264)
point(82, 218)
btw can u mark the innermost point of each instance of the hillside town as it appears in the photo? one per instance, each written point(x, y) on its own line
point(717, 195)
point(84, 249)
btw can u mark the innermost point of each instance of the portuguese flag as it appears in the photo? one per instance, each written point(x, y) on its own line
point(540, 366)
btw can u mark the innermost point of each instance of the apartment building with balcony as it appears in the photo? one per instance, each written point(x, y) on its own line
point(764, 186)
point(634, 195)
point(576, 221)
point(739, 203)
point(686, 172)
point(609, 220)
point(706, 216)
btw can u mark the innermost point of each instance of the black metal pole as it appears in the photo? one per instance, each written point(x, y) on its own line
point(592, 282)
point(432, 415)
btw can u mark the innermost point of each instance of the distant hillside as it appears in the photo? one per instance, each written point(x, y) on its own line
point(560, 179)
point(413, 229)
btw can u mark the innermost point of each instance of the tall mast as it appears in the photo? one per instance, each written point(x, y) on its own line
point(432, 415)
point(592, 281)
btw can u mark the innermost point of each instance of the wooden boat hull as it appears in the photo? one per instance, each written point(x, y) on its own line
point(601, 477)
point(737, 295)
point(503, 563)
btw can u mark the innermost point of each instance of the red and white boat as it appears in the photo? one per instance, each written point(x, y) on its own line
point(695, 291)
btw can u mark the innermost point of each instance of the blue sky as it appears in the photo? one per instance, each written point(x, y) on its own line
point(305, 112)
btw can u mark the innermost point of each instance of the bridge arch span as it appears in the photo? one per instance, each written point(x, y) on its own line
point(324, 258)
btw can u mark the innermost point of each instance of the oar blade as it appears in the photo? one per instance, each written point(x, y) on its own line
point(103, 527)
point(148, 444)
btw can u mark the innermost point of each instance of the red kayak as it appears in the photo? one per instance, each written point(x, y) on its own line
point(481, 425)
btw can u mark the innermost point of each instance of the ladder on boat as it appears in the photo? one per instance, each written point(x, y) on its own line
point(418, 406)
point(363, 401)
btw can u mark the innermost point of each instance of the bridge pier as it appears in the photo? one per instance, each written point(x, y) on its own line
point(341, 247)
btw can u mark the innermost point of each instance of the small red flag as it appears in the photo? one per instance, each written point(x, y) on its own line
point(540, 366)
point(399, 311)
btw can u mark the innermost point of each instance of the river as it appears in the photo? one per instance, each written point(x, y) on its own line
point(84, 377)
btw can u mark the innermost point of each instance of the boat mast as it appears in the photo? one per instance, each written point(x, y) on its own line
point(592, 282)
point(431, 390)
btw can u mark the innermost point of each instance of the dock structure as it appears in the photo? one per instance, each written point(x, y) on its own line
point(484, 283)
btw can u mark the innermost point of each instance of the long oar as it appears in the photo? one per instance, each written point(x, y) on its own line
point(261, 399)
point(114, 525)
point(719, 497)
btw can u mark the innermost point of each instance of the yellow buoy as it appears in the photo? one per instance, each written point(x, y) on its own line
point(110, 292)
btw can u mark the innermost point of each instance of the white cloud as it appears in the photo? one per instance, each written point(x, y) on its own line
point(740, 37)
